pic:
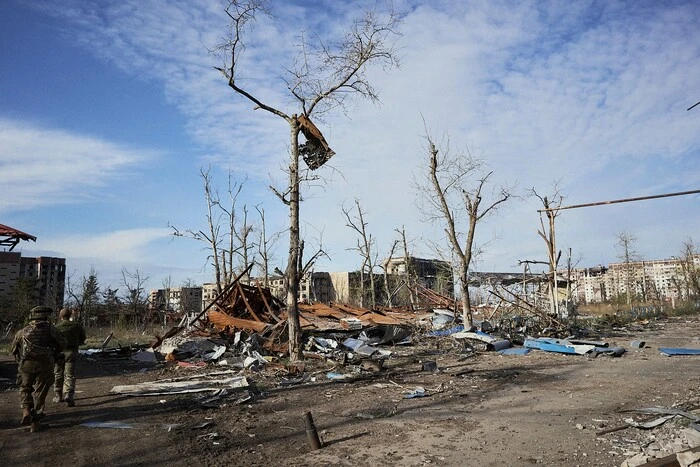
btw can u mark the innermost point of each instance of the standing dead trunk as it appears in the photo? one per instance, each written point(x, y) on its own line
point(451, 191)
point(321, 77)
point(294, 245)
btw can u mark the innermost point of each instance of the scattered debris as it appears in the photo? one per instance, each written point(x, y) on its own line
point(419, 391)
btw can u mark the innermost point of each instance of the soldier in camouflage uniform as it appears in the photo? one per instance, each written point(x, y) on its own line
point(64, 370)
point(35, 349)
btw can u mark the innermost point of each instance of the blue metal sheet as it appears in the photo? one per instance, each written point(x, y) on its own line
point(678, 351)
point(549, 345)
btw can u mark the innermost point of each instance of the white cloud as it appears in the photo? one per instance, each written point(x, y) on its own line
point(42, 166)
point(152, 251)
point(129, 245)
point(593, 95)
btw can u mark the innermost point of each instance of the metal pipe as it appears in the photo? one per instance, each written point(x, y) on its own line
point(626, 200)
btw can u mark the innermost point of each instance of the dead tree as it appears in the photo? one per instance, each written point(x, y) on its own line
point(551, 205)
point(385, 272)
point(365, 246)
point(228, 234)
point(408, 278)
point(451, 189)
point(86, 296)
point(266, 247)
point(135, 298)
point(627, 253)
point(323, 77)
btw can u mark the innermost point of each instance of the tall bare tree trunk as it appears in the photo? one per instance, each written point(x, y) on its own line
point(294, 245)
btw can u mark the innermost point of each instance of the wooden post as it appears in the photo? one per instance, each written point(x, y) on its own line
point(311, 431)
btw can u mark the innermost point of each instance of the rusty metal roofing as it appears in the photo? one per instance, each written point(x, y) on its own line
point(11, 237)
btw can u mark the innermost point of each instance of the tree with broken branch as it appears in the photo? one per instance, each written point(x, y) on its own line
point(324, 77)
point(451, 192)
point(365, 247)
point(229, 233)
point(551, 205)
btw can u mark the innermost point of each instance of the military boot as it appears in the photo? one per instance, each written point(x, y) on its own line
point(26, 417)
point(58, 398)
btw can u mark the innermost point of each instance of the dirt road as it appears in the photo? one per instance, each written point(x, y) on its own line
point(490, 409)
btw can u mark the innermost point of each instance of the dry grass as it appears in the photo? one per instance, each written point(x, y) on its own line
point(598, 309)
point(122, 336)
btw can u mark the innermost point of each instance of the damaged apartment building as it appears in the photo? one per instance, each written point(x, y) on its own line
point(29, 280)
point(663, 280)
point(345, 287)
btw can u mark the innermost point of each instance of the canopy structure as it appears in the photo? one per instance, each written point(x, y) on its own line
point(10, 237)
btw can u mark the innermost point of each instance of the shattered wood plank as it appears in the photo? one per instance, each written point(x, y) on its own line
point(247, 305)
point(221, 320)
point(156, 388)
point(226, 289)
point(267, 305)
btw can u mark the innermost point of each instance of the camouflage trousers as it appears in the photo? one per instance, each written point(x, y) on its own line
point(64, 374)
point(35, 378)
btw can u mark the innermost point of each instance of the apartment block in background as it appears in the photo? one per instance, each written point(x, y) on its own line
point(662, 279)
point(46, 275)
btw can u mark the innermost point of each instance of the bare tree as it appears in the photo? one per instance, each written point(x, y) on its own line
point(167, 298)
point(408, 279)
point(266, 246)
point(324, 76)
point(365, 246)
point(385, 271)
point(452, 189)
point(228, 237)
point(135, 298)
point(689, 269)
point(626, 246)
point(85, 294)
point(551, 206)
point(240, 231)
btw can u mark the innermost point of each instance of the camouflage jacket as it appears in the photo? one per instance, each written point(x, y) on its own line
point(73, 332)
point(40, 340)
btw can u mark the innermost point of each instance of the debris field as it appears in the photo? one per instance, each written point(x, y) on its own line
point(376, 387)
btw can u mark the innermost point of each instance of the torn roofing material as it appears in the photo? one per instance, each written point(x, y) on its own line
point(10, 237)
point(315, 151)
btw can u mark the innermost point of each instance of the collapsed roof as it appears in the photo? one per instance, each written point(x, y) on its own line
point(10, 237)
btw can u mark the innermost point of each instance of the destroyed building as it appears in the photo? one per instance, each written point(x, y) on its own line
point(345, 287)
point(44, 275)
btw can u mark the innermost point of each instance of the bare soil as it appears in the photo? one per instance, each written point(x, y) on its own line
point(541, 408)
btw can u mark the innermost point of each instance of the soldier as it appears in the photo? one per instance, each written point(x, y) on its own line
point(64, 370)
point(35, 349)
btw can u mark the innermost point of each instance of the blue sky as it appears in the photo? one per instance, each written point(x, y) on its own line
point(109, 109)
